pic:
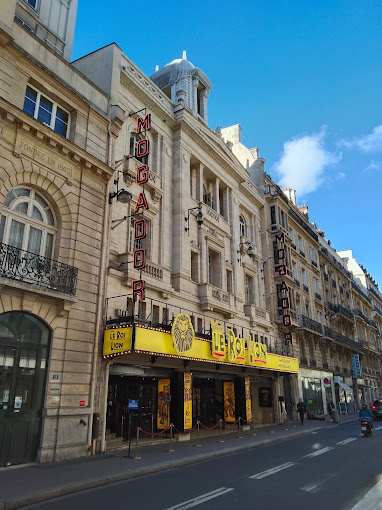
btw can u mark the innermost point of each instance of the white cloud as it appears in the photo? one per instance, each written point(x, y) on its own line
point(368, 143)
point(374, 165)
point(303, 162)
point(340, 176)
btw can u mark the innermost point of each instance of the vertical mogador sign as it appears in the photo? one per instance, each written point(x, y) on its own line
point(142, 150)
point(285, 300)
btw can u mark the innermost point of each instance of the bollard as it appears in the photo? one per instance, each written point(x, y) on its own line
point(171, 449)
point(253, 427)
point(240, 436)
point(197, 434)
point(136, 446)
point(220, 433)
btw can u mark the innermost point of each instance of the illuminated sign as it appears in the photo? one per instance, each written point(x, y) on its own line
point(142, 150)
point(116, 341)
point(163, 413)
point(285, 299)
point(248, 402)
point(229, 401)
point(187, 401)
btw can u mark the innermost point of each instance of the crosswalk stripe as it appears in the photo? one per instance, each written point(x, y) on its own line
point(201, 499)
point(272, 471)
point(319, 452)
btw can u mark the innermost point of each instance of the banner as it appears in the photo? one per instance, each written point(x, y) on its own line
point(187, 401)
point(229, 401)
point(163, 415)
point(248, 402)
point(116, 341)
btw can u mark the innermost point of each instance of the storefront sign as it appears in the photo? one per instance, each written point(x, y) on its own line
point(116, 342)
point(284, 289)
point(155, 342)
point(356, 365)
point(248, 402)
point(187, 401)
point(229, 401)
point(163, 415)
point(142, 150)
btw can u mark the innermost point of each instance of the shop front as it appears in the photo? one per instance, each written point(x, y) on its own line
point(161, 376)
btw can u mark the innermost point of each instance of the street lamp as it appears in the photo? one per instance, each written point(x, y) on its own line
point(199, 218)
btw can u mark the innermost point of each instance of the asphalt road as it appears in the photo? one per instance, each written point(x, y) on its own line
point(331, 469)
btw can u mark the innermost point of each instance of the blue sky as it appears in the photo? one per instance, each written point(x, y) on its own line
point(303, 78)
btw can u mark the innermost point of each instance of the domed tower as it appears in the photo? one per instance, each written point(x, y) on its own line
point(184, 83)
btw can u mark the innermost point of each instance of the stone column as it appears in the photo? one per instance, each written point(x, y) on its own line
point(195, 85)
point(199, 183)
point(203, 104)
point(216, 204)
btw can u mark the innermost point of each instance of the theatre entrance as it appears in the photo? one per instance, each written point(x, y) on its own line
point(206, 400)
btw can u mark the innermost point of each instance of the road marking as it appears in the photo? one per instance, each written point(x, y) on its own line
point(272, 471)
point(319, 452)
point(345, 441)
point(200, 499)
point(377, 428)
point(372, 499)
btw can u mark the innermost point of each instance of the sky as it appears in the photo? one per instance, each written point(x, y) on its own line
point(302, 78)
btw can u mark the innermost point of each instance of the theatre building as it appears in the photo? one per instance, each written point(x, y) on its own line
point(196, 342)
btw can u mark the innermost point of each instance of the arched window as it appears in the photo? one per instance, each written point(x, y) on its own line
point(243, 226)
point(28, 222)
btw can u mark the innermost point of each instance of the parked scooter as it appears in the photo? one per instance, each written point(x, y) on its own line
point(366, 427)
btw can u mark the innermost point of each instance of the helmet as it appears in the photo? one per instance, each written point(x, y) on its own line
point(364, 406)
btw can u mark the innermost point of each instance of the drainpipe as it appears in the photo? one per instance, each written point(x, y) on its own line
point(100, 300)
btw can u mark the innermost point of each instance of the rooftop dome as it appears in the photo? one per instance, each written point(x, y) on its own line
point(172, 72)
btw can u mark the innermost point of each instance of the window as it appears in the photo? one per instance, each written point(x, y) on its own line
point(194, 267)
point(301, 245)
point(33, 3)
point(249, 290)
point(292, 238)
point(46, 111)
point(243, 227)
point(27, 222)
point(273, 215)
point(229, 280)
point(214, 277)
point(134, 139)
point(282, 219)
point(207, 197)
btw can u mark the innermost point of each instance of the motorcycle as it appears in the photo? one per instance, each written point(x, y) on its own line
point(366, 428)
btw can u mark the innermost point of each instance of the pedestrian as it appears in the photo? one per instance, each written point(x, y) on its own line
point(301, 409)
point(331, 409)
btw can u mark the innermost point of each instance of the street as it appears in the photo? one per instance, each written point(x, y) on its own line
point(332, 469)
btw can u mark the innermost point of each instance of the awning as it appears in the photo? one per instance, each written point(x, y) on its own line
point(346, 388)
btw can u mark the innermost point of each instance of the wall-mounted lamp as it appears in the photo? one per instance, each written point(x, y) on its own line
point(122, 195)
point(199, 218)
point(250, 250)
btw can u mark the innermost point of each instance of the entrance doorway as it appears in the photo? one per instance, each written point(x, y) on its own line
point(24, 347)
point(288, 396)
point(204, 404)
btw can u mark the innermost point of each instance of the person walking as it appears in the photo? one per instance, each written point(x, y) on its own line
point(330, 409)
point(301, 409)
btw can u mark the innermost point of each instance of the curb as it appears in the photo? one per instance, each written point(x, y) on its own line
point(13, 504)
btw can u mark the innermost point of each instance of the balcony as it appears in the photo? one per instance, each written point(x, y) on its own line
point(378, 310)
point(305, 322)
point(314, 263)
point(326, 277)
point(31, 268)
point(328, 332)
point(334, 285)
point(303, 361)
point(317, 296)
point(302, 253)
point(348, 342)
point(257, 315)
point(341, 290)
point(293, 245)
point(325, 365)
point(297, 282)
point(306, 288)
point(213, 298)
point(312, 363)
point(344, 312)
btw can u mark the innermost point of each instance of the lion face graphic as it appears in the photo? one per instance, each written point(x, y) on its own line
point(182, 333)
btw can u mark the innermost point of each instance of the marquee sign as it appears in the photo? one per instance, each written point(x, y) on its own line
point(142, 150)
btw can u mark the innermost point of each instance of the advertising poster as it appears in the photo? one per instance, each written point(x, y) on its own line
point(187, 401)
point(248, 402)
point(163, 415)
point(229, 401)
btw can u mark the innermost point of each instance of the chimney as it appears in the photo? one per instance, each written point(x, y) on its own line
point(304, 210)
point(291, 194)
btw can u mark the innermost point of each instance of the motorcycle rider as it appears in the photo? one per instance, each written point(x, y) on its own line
point(366, 415)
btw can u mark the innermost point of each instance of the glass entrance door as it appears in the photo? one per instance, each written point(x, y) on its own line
point(23, 363)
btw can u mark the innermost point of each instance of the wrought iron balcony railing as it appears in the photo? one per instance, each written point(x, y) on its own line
point(307, 323)
point(31, 268)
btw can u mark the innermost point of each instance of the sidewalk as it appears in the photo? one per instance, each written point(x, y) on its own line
point(24, 485)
